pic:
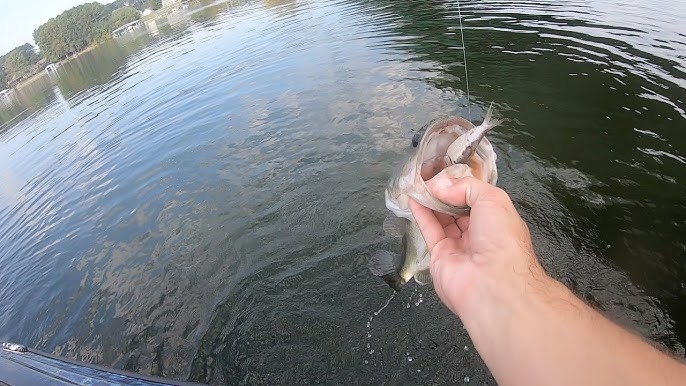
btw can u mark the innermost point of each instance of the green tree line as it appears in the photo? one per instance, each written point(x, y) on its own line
point(140, 5)
point(68, 34)
point(72, 31)
point(84, 25)
point(123, 16)
point(18, 64)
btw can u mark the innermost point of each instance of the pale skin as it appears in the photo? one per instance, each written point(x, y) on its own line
point(528, 328)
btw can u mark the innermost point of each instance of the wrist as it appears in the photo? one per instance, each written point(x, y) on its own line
point(496, 301)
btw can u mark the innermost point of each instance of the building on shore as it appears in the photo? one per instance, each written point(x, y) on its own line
point(126, 28)
point(52, 67)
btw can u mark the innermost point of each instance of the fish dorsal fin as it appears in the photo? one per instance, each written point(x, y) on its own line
point(423, 277)
point(394, 226)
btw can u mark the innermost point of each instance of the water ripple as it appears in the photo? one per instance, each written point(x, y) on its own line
point(201, 202)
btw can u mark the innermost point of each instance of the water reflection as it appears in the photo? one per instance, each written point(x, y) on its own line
point(587, 87)
point(24, 100)
point(201, 203)
point(95, 67)
point(287, 4)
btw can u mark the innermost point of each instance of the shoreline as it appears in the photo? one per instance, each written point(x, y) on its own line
point(32, 78)
point(59, 63)
point(83, 51)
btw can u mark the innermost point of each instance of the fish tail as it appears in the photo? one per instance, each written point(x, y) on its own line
point(490, 122)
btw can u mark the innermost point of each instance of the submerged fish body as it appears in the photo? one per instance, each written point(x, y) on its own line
point(450, 148)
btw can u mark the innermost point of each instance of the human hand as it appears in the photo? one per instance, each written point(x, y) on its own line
point(483, 255)
point(528, 328)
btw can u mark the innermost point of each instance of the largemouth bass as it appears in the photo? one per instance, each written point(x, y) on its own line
point(449, 148)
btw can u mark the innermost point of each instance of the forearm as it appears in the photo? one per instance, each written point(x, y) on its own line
point(538, 333)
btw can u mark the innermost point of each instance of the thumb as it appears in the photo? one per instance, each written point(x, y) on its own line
point(465, 191)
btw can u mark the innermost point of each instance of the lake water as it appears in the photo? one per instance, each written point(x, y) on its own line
point(200, 202)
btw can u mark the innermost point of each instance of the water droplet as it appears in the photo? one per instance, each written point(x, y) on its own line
point(466, 348)
point(408, 305)
point(376, 313)
point(409, 359)
point(369, 345)
point(369, 335)
point(367, 324)
point(416, 303)
point(371, 351)
point(466, 379)
point(366, 362)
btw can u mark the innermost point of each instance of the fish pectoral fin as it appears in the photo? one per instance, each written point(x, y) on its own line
point(384, 262)
point(423, 277)
point(394, 226)
point(386, 265)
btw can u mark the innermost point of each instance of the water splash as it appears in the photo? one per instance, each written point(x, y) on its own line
point(370, 350)
point(386, 304)
point(409, 300)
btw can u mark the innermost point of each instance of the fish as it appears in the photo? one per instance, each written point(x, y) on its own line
point(450, 147)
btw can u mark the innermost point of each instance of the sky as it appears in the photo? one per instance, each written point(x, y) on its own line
point(19, 19)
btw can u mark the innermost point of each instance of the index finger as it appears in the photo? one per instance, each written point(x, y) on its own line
point(428, 223)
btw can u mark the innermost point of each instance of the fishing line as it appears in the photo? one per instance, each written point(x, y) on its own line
point(464, 55)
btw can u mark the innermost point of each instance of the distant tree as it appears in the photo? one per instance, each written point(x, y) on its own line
point(87, 24)
point(3, 79)
point(153, 4)
point(138, 4)
point(73, 30)
point(19, 63)
point(123, 16)
point(110, 7)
